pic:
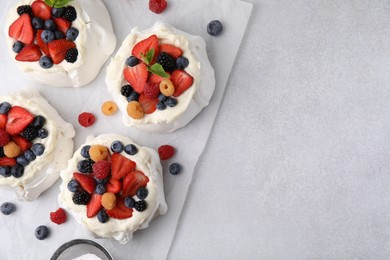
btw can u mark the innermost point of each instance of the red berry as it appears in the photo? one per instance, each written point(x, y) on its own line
point(151, 90)
point(58, 216)
point(86, 119)
point(157, 6)
point(4, 137)
point(101, 169)
point(166, 152)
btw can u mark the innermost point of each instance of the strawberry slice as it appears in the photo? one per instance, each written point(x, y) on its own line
point(154, 78)
point(41, 10)
point(18, 119)
point(120, 211)
point(7, 161)
point(132, 182)
point(148, 105)
point(21, 29)
point(29, 53)
point(3, 121)
point(87, 182)
point(94, 205)
point(44, 47)
point(182, 81)
point(121, 166)
point(58, 49)
point(23, 143)
point(62, 24)
point(142, 47)
point(172, 50)
point(136, 76)
point(113, 186)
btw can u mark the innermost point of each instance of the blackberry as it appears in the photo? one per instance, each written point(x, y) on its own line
point(30, 133)
point(71, 55)
point(70, 13)
point(81, 197)
point(2, 152)
point(166, 61)
point(140, 205)
point(126, 90)
point(85, 166)
point(24, 9)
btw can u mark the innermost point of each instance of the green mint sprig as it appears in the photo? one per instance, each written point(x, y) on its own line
point(57, 3)
point(156, 68)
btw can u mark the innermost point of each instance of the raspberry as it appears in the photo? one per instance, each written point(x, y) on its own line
point(109, 108)
point(58, 216)
point(151, 90)
point(101, 169)
point(4, 137)
point(86, 119)
point(157, 6)
point(166, 152)
point(108, 200)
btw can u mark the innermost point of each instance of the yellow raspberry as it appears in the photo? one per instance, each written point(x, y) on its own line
point(108, 200)
point(98, 152)
point(134, 110)
point(166, 87)
point(109, 108)
point(12, 150)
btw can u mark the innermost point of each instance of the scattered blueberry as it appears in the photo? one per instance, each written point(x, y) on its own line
point(4, 108)
point(73, 185)
point(7, 208)
point(134, 96)
point(140, 205)
point(59, 35)
point(182, 63)
point(102, 216)
point(37, 23)
point(17, 170)
point(174, 168)
point(161, 106)
point(85, 151)
point(132, 61)
point(42, 133)
point(41, 232)
point(162, 98)
point(46, 62)
point(72, 33)
point(22, 160)
point(142, 193)
point(57, 12)
point(131, 149)
point(214, 28)
point(171, 102)
point(18, 46)
point(47, 36)
point(38, 122)
point(100, 189)
point(85, 166)
point(29, 155)
point(49, 25)
point(38, 149)
point(5, 171)
point(129, 202)
point(117, 147)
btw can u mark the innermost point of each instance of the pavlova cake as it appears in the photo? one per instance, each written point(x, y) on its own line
point(160, 78)
point(35, 143)
point(60, 43)
point(113, 186)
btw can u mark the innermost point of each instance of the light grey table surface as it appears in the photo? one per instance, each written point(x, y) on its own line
point(298, 162)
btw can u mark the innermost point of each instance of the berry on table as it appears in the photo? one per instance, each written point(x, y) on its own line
point(41, 232)
point(157, 6)
point(140, 205)
point(7, 208)
point(166, 152)
point(58, 216)
point(131, 149)
point(109, 108)
point(174, 168)
point(86, 119)
point(214, 28)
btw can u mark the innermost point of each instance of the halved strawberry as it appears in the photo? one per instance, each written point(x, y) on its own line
point(182, 81)
point(41, 10)
point(120, 211)
point(132, 182)
point(113, 186)
point(18, 119)
point(21, 29)
point(94, 205)
point(121, 166)
point(87, 182)
point(148, 105)
point(172, 50)
point(136, 76)
point(3, 121)
point(62, 24)
point(154, 78)
point(29, 53)
point(142, 47)
point(23, 143)
point(5, 161)
point(44, 47)
point(58, 49)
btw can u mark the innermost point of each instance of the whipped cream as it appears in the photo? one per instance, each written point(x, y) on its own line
point(41, 173)
point(148, 162)
point(190, 103)
point(96, 42)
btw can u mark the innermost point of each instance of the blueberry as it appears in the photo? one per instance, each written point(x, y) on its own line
point(214, 28)
point(142, 193)
point(38, 149)
point(102, 216)
point(41, 232)
point(101, 181)
point(182, 63)
point(72, 33)
point(132, 61)
point(100, 189)
point(46, 62)
point(73, 185)
point(18, 46)
point(131, 149)
point(174, 168)
point(22, 160)
point(117, 147)
point(171, 102)
point(162, 98)
point(161, 106)
point(38, 122)
point(5, 171)
point(42, 133)
point(29, 155)
point(47, 36)
point(37, 23)
point(17, 170)
point(85, 151)
point(129, 202)
point(7, 208)
point(50, 25)
point(4, 108)
point(134, 96)
point(57, 12)
point(59, 35)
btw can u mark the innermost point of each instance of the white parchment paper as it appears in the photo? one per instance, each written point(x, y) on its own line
point(17, 230)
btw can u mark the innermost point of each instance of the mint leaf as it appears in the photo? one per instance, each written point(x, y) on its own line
point(158, 70)
point(148, 57)
point(57, 3)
